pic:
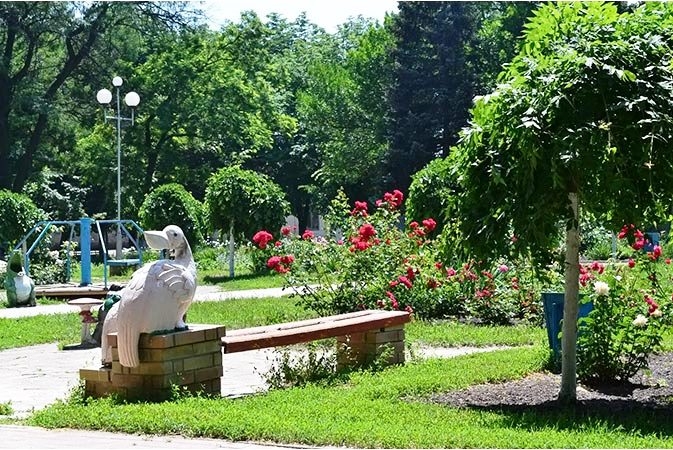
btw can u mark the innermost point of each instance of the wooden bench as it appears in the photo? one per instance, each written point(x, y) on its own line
point(361, 336)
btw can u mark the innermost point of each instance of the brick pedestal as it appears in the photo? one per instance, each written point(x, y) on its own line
point(191, 359)
point(363, 348)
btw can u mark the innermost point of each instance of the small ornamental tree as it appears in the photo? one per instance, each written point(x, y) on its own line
point(18, 214)
point(581, 119)
point(172, 204)
point(240, 202)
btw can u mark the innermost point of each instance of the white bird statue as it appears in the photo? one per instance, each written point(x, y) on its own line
point(156, 298)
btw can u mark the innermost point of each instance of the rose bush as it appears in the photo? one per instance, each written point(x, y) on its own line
point(370, 260)
point(631, 306)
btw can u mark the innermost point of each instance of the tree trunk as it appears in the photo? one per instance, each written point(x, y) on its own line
point(85, 37)
point(232, 248)
point(568, 393)
point(5, 100)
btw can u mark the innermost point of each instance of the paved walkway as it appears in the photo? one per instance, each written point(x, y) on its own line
point(203, 294)
point(33, 377)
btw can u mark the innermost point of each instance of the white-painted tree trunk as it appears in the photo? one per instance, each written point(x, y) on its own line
point(568, 392)
point(232, 249)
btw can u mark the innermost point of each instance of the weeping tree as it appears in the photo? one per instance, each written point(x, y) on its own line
point(241, 202)
point(579, 122)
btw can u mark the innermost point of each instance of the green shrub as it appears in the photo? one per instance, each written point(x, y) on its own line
point(378, 264)
point(212, 256)
point(6, 409)
point(18, 214)
point(291, 368)
point(631, 307)
point(430, 192)
point(172, 204)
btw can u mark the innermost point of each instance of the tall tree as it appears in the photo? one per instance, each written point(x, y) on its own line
point(293, 47)
point(580, 121)
point(241, 202)
point(54, 56)
point(342, 109)
point(43, 43)
point(432, 87)
point(498, 36)
point(212, 103)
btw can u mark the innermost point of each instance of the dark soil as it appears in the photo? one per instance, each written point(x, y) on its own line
point(647, 390)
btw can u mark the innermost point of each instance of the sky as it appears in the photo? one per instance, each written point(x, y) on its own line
point(327, 14)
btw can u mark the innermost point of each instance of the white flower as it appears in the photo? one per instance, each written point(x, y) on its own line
point(618, 277)
point(640, 321)
point(656, 313)
point(601, 288)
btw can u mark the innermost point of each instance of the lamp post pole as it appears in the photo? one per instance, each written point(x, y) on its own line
point(132, 100)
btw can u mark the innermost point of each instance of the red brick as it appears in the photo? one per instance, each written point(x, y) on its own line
point(213, 346)
point(128, 381)
point(102, 374)
point(217, 359)
point(388, 335)
point(208, 373)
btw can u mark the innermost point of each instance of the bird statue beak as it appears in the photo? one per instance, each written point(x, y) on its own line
point(156, 239)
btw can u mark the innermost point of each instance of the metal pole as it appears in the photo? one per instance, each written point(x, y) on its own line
point(119, 179)
point(85, 248)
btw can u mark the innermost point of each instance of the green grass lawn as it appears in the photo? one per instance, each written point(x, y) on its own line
point(243, 280)
point(383, 409)
point(243, 277)
point(65, 328)
point(389, 408)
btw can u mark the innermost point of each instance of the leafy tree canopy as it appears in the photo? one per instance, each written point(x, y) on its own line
point(172, 204)
point(245, 200)
point(584, 108)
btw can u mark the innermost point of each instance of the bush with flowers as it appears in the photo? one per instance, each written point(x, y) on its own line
point(370, 260)
point(631, 305)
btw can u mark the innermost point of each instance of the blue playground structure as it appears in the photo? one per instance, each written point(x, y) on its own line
point(41, 229)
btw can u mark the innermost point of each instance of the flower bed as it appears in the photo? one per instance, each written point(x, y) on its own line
point(631, 307)
point(372, 260)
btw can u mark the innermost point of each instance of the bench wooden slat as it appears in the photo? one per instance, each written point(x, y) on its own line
point(300, 323)
point(310, 330)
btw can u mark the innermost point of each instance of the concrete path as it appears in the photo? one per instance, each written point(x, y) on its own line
point(34, 438)
point(203, 294)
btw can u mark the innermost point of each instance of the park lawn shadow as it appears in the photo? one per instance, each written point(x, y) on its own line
point(641, 405)
point(647, 418)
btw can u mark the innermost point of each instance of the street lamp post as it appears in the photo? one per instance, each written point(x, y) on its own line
point(132, 99)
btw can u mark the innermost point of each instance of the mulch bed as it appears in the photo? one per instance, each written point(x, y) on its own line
point(651, 389)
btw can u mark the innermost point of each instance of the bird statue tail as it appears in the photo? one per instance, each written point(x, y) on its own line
point(109, 326)
point(127, 343)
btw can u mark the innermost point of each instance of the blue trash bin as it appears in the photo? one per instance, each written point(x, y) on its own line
point(552, 302)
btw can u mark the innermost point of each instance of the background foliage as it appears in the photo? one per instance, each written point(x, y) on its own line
point(19, 215)
point(314, 111)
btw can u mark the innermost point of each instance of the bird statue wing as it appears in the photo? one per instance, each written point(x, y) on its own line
point(151, 302)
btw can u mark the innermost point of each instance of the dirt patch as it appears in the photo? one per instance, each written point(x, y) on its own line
point(651, 389)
